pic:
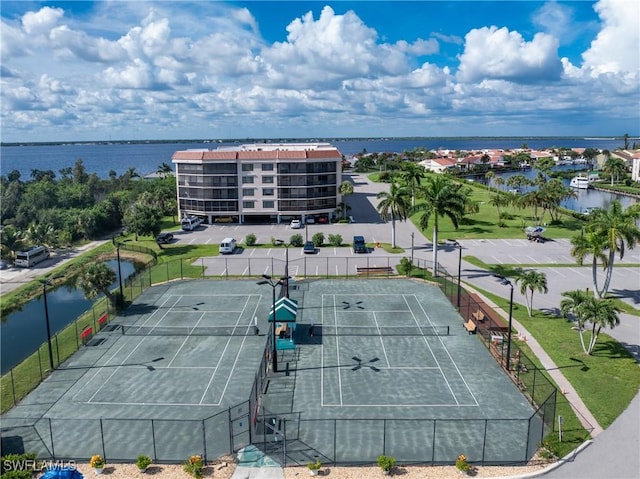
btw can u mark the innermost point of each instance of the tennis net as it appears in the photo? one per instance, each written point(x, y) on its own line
point(332, 330)
point(241, 330)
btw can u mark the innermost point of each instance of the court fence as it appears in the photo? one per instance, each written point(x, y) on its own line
point(248, 423)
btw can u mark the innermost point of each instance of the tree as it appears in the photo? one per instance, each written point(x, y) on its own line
point(499, 182)
point(142, 219)
point(345, 189)
point(96, 279)
point(615, 167)
point(442, 198)
point(10, 240)
point(499, 200)
point(395, 203)
point(489, 176)
point(600, 313)
point(531, 280)
point(593, 245)
point(571, 305)
point(412, 175)
point(40, 234)
point(164, 170)
point(620, 230)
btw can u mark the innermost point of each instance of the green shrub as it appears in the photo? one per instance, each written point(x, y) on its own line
point(405, 266)
point(296, 240)
point(386, 463)
point(194, 466)
point(250, 239)
point(335, 240)
point(318, 239)
point(18, 466)
point(143, 462)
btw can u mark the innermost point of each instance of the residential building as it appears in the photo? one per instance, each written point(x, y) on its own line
point(260, 182)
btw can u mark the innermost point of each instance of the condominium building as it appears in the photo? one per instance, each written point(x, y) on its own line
point(260, 182)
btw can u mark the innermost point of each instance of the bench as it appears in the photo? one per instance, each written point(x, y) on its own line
point(471, 327)
point(373, 270)
point(478, 316)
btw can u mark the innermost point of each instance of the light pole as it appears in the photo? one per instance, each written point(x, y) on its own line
point(46, 283)
point(505, 282)
point(269, 280)
point(455, 243)
point(286, 264)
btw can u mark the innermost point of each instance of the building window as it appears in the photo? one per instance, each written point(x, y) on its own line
point(247, 180)
point(247, 167)
point(267, 166)
point(248, 191)
point(267, 191)
point(248, 204)
point(268, 204)
point(267, 179)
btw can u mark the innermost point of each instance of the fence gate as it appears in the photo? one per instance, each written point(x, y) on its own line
point(240, 430)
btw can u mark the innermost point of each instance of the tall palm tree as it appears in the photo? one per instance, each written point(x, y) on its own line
point(442, 198)
point(572, 305)
point(96, 279)
point(620, 229)
point(489, 176)
point(395, 203)
point(499, 182)
point(345, 189)
point(10, 240)
point(594, 245)
point(412, 175)
point(614, 167)
point(499, 200)
point(531, 280)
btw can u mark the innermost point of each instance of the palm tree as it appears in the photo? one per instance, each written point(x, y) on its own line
point(395, 204)
point(164, 170)
point(499, 182)
point(499, 200)
point(412, 175)
point(443, 197)
point(41, 234)
point(96, 279)
point(594, 245)
point(531, 280)
point(600, 313)
point(620, 229)
point(489, 176)
point(571, 305)
point(345, 189)
point(614, 167)
point(10, 240)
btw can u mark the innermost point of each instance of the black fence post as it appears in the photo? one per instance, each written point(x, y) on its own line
point(433, 442)
point(153, 439)
point(53, 448)
point(204, 442)
point(484, 441)
point(335, 440)
point(104, 454)
point(533, 386)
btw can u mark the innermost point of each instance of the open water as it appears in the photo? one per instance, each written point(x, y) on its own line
point(147, 157)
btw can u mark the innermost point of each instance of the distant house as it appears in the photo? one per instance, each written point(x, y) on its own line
point(635, 170)
point(438, 165)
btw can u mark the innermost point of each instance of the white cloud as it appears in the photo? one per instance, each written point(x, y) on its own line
point(617, 47)
point(556, 20)
point(40, 22)
point(497, 53)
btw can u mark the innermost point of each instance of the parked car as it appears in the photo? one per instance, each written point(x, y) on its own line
point(359, 245)
point(4, 264)
point(296, 224)
point(323, 220)
point(164, 238)
point(309, 248)
point(310, 220)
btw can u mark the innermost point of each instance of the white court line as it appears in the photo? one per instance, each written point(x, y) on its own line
point(222, 355)
point(497, 260)
point(449, 354)
point(100, 369)
point(322, 354)
point(165, 314)
point(335, 316)
point(400, 405)
point(431, 351)
point(154, 403)
point(183, 343)
point(104, 383)
point(230, 375)
point(386, 358)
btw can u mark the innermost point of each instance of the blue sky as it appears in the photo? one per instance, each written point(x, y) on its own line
point(263, 69)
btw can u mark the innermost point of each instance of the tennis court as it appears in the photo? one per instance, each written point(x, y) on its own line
point(183, 354)
point(386, 365)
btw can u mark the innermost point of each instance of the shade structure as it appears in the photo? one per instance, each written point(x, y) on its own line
point(286, 311)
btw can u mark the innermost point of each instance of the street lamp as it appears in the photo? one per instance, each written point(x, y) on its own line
point(46, 283)
point(455, 243)
point(505, 282)
point(270, 281)
point(286, 264)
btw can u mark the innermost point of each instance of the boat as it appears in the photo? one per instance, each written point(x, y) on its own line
point(580, 182)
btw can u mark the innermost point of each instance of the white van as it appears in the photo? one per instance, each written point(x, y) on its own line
point(191, 223)
point(228, 246)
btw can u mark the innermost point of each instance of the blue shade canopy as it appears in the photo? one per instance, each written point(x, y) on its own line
point(59, 472)
point(286, 311)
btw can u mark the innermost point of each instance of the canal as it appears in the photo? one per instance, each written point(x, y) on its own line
point(24, 331)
